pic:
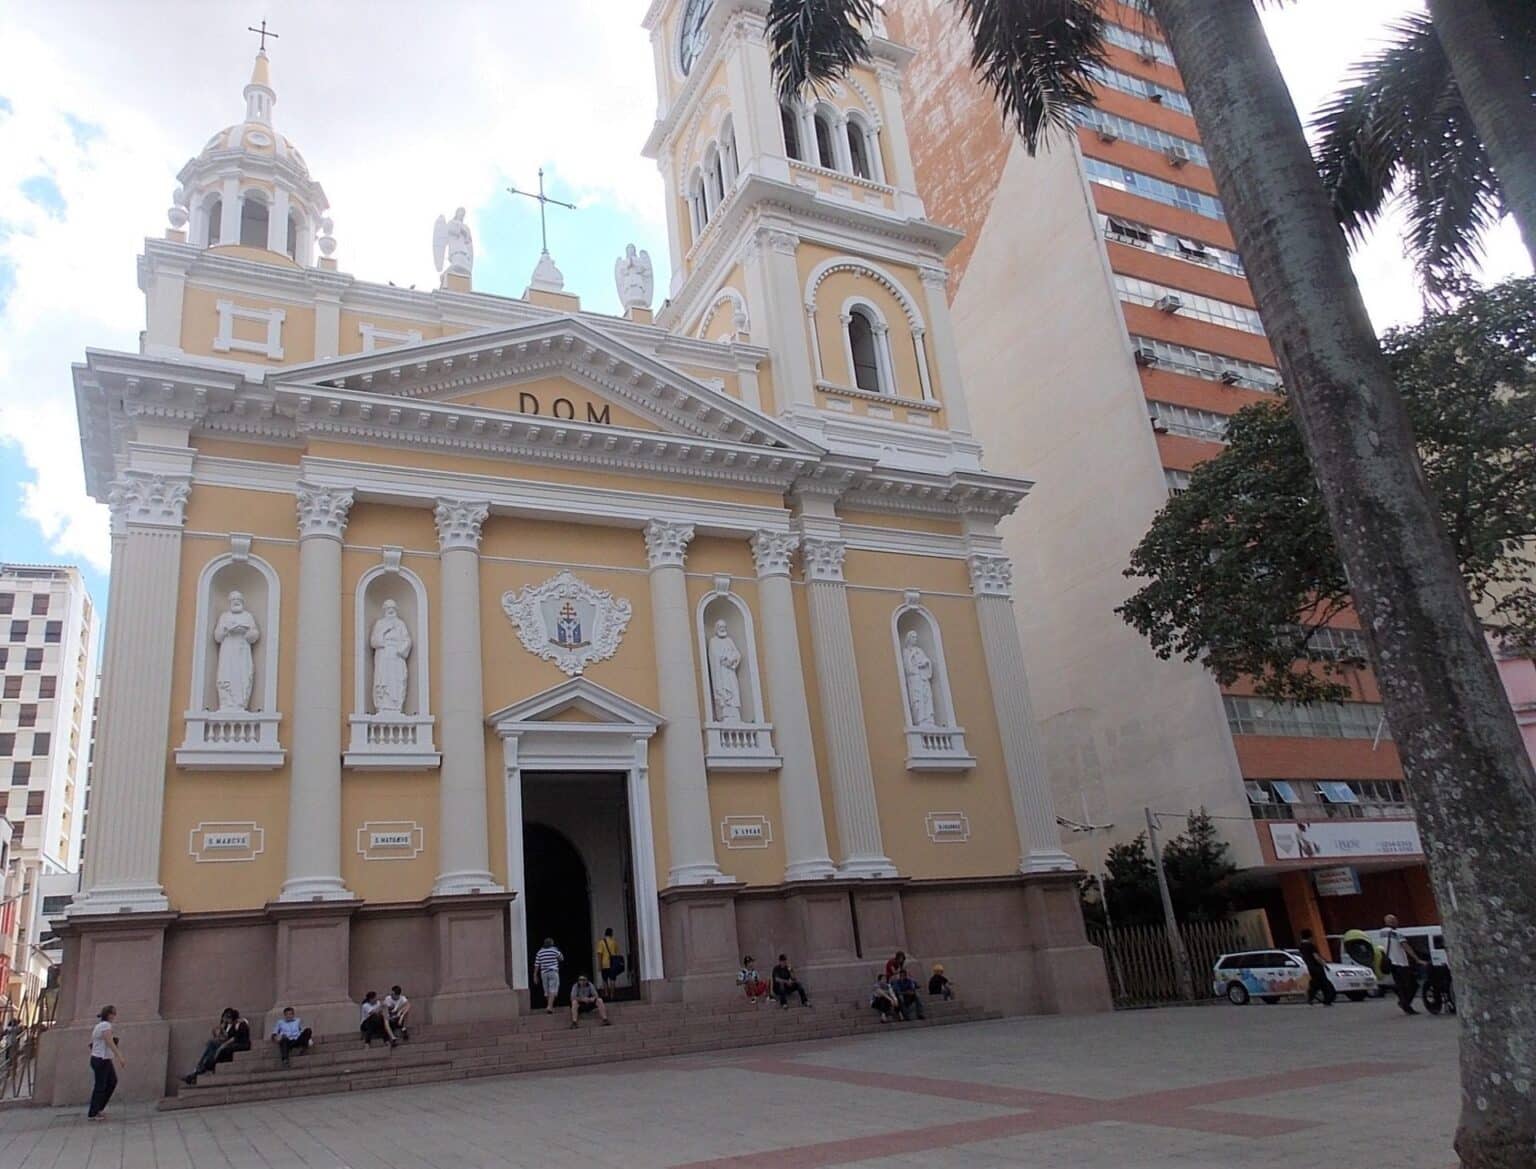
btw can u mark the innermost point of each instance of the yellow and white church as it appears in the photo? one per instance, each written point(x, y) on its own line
point(443, 621)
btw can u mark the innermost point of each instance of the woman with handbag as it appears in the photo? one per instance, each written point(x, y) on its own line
point(610, 963)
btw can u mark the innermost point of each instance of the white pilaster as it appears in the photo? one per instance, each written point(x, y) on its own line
point(780, 324)
point(465, 849)
point(277, 222)
point(805, 829)
point(1029, 783)
point(901, 174)
point(128, 789)
point(690, 830)
point(749, 80)
point(842, 708)
point(229, 212)
point(314, 789)
point(940, 342)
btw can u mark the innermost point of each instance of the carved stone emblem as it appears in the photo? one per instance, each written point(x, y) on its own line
point(568, 622)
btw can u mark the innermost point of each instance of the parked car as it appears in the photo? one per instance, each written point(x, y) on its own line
point(1270, 975)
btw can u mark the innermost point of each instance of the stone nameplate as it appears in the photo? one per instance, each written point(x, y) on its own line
point(241, 840)
point(746, 832)
point(390, 840)
point(948, 827)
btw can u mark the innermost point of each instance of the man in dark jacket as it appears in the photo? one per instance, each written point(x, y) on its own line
point(1318, 973)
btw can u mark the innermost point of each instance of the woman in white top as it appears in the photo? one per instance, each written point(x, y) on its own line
point(104, 1054)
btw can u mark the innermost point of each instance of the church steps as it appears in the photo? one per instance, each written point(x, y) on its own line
point(531, 1044)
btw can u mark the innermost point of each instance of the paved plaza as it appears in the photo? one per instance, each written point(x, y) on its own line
point(1208, 1088)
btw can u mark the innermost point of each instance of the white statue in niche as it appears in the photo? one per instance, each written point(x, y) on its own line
point(724, 682)
point(391, 642)
point(918, 667)
point(633, 275)
point(453, 248)
point(235, 632)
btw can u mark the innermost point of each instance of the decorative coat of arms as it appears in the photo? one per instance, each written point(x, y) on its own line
point(568, 622)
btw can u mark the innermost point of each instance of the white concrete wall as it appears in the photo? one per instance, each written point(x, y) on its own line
point(1055, 394)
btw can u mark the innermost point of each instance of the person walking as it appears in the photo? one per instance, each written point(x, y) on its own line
point(547, 962)
point(1318, 985)
point(1403, 963)
point(106, 1058)
point(610, 963)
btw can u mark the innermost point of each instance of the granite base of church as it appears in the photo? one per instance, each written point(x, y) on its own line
point(1013, 944)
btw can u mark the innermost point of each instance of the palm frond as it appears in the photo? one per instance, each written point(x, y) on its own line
point(1038, 57)
point(1400, 127)
point(815, 42)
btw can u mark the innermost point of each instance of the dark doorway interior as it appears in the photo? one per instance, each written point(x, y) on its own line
point(559, 903)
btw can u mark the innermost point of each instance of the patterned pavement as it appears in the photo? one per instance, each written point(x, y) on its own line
point(1207, 1088)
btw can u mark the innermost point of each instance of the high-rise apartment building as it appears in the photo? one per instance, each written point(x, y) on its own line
point(48, 675)
point(1107, 331)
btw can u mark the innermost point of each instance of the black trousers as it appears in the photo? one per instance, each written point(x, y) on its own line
point(884, 1006)
point(373, 1027)
point(782, 991)
point(911, 1007)
point(105, 1074)
point(285, 1045)
point(1320, 986)
point(1406, 979)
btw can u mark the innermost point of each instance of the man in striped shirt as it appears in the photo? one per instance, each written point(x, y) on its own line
point(547, 963)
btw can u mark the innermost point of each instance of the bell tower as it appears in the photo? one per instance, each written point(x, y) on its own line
point(796, 227)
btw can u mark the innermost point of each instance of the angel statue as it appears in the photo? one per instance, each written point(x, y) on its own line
point(632, 273)
point(451, 239)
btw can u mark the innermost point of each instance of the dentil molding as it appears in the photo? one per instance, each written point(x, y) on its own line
point(322, 510)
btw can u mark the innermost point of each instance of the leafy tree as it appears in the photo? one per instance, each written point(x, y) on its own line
point(1241, 568)
point(1199, 866)
point(1462, 752)
point(1130, 884)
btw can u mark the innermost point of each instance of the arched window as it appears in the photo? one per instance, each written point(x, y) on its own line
point(826, 151)
point(698, 205)
point(215, 211)
point(253, 221)
point(293, 234)
point(729, 164)
point(790, 121)
point(714, 174)
point(863, 150)
point(864, 346)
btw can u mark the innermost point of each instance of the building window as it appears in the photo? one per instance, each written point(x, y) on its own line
point(1165, 243)
point(13, 686)
point(56, 904)
point(18, 631)
point(826, 152)
point(5, 656)
point(1188, 422)
point(859, 150)
point(1134, 182)
point(863, 345)
point(53, 632)
point(1189, 304)
point(1330, 644)
point(47, 686)
point(7, 744)
point(33, 659)
point(293, 234)
point(1113, 126)
point(1323, 720)
point(1175, 480)
point(21, 773)
point(1201, 363)
point(35, 803)
point(215, 221)
point(42, 743)
point(789, 121)
point(253, 221)
point(26, 715)
point(7, 603)
point(40, 604)
point(729, 163)
point(1145, 47)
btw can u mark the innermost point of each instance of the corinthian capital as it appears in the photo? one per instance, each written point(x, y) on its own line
point(667, 543)
point(771, 551)
point(148, 500)
point(991, 576)
point(322, 511)
point(823, 558)
point(459, 522)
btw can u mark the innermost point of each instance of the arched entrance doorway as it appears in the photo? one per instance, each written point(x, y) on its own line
point(559, 901)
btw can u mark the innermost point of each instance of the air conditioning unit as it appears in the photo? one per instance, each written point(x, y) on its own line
point(1158, 426)
point(1108, 135)
point(1168, 304)
point(1231, 377)
point(1146, 56)
point(1176, 155)
point(1155, 98)
point(1145, 358)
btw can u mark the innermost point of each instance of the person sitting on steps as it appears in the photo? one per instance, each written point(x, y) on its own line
point(905, 987)
point(230, 1035)
point(399, 1008)
point(375, 1021)
point(785, 983)
point(290, 1035)
point(752, 982)
point(883, 999)
point(584, 999)
point(939, 986)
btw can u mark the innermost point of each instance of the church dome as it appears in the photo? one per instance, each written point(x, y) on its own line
point(258, 174)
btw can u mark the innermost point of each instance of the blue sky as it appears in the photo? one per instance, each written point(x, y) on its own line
point(99, 109)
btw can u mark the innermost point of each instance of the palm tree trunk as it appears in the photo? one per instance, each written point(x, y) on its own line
point(1473, 784)
point(1492, 83)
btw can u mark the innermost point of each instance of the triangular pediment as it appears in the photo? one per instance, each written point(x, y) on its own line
point(490, 370)
point(578, 702)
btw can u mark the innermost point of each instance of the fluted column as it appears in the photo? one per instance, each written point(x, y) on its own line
point(690, 829)
point(128, 786)
point(1029, 783)
point(465, 850)
point(842, 711)
point(805, 829)
point(314, 788)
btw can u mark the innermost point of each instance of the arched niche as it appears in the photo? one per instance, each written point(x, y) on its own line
point(935, 739)
point(234, 727)
point(382, 737)
point(738, 739)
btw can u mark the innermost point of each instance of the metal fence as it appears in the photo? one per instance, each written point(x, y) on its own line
point(1140, 965)
point(23, 1023)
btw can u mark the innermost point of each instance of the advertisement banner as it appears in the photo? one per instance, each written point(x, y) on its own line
point(1308, 840)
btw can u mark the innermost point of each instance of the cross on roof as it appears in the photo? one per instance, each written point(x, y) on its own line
point(541, 198)
point(263, 33)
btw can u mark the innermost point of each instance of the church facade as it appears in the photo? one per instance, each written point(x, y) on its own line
point(444, 621)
